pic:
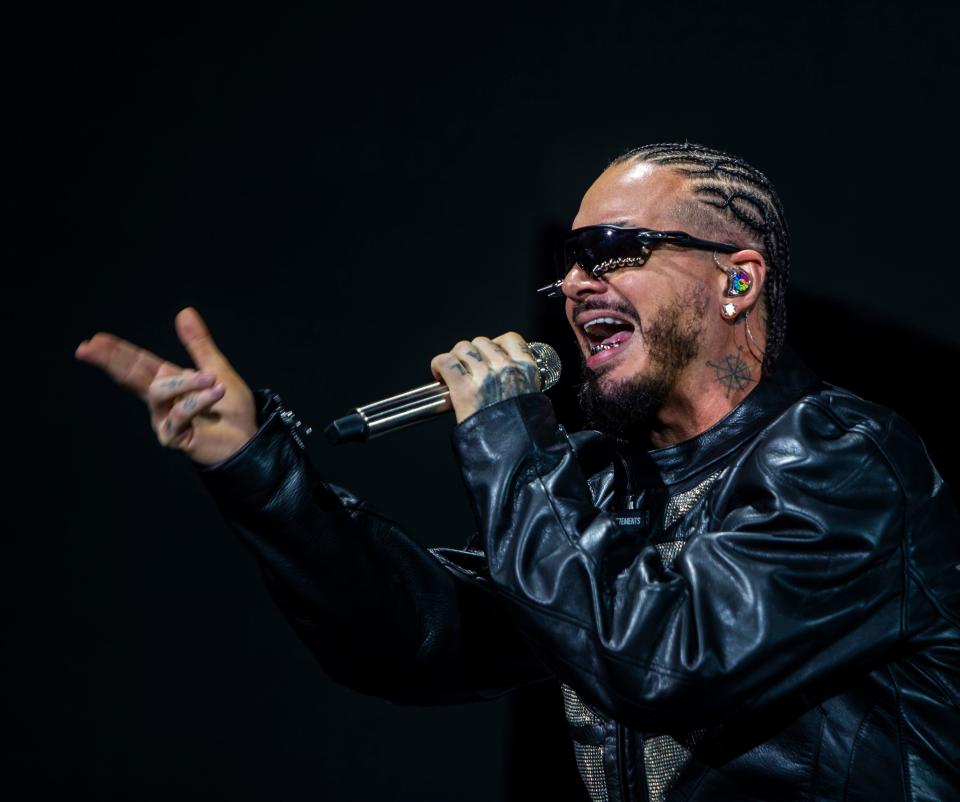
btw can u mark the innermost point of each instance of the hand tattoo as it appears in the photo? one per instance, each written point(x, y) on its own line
point(475, 355)
point(512, 380)
point(190, 404)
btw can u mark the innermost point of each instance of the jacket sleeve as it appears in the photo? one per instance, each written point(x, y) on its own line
point(794, 571)
point(382, 614)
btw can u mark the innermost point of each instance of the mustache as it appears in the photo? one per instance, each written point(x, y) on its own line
point(591, 304)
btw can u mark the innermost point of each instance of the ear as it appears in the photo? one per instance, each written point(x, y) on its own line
point(754, 265)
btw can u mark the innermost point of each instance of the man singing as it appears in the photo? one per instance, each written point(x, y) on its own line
point(746, 582)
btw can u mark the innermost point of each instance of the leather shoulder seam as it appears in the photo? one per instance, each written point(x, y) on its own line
point(858, 427)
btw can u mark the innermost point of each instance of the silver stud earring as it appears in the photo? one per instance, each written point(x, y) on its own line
point(729, 311)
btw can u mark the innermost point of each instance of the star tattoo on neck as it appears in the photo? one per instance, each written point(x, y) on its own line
point(732, 373)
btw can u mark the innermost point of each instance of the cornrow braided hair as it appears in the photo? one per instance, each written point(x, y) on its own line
point(734, 199)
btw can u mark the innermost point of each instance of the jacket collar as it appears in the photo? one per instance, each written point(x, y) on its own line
point(791, 380)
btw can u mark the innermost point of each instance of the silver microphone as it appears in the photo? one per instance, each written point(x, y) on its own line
point(419, 404)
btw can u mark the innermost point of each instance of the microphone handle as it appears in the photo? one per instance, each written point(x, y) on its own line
point(388, 415)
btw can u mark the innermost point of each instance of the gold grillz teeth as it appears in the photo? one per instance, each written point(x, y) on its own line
point(596, 349)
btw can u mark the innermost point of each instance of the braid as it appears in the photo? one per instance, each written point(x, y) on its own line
point(742, 202)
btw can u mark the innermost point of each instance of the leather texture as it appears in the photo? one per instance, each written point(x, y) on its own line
point(769, 611)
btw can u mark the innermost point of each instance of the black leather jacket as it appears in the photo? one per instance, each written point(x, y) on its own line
point(769, 611)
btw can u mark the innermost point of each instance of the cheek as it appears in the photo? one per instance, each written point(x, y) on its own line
point(650, 293)
point(638, 293)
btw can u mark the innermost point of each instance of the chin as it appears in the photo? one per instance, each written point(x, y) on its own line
point(625, 408)
point(622, 398)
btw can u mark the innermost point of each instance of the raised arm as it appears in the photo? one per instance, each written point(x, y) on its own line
point(383, 614)
point(795, 569)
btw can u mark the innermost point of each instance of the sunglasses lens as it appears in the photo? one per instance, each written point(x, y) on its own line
point(592, 246)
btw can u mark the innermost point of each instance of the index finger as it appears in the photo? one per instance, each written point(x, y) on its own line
point(127, 364)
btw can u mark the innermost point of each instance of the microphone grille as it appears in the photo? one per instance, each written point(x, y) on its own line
point(548, 362)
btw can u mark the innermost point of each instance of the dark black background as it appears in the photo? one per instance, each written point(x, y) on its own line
point(343, 193)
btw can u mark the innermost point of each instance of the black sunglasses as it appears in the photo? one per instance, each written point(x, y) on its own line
point(600, 249)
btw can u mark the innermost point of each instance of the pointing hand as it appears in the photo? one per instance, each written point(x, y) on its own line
point(208, 413)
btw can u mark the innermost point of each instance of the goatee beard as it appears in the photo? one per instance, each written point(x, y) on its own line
point(628, 408)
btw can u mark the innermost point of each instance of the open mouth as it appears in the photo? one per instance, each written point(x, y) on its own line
point(606, 333)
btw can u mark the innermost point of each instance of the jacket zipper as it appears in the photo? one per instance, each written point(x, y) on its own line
point(621, 762)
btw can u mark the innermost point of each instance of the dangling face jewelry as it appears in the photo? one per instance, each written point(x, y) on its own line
point(621, 261)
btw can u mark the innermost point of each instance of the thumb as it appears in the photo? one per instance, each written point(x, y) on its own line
point(195, 336)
